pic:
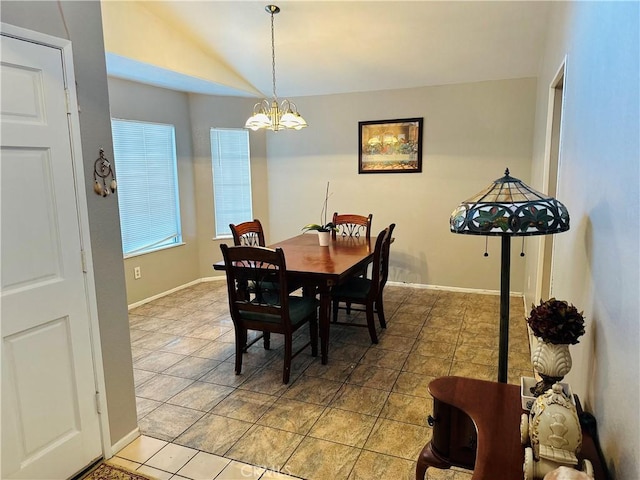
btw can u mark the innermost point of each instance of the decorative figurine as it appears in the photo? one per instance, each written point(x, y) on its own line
point(554, 433)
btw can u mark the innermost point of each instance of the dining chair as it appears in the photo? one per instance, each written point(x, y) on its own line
point(248, 233)
point(251, 234)
point(365, 291)
point(351, 225)
point(267, 307)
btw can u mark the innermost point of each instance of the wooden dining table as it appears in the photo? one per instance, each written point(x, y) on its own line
point(317, 269)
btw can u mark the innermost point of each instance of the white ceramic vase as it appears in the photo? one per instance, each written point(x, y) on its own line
point(552, 362)
point(323, 238)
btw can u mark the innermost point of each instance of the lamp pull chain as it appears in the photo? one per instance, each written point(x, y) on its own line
point(486, 244)
point(522, 251)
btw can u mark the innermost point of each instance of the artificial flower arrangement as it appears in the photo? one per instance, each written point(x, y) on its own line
point(557, 322)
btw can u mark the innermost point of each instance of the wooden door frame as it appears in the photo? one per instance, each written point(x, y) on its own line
point(73, 119)
point(560, 75)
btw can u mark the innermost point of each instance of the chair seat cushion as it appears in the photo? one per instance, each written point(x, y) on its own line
point(272, 287)
point(299, 309)
point(355, 287)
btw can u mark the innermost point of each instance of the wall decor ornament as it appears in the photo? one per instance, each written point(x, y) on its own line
point(102, 170)
point(390, 146)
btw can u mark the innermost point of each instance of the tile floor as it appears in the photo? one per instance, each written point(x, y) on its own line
point(362, 416)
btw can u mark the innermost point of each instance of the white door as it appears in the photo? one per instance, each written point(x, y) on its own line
point(50, 424)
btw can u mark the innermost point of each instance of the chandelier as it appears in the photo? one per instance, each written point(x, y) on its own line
point(272, 115)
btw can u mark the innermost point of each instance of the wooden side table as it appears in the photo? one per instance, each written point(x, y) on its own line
point(476, 425)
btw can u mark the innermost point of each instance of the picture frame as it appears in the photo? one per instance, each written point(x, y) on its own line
point(390, 146)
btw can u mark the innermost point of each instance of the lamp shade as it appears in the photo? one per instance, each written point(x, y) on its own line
point(510, 207)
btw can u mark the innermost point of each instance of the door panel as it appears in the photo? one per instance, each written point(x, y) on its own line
point(30, 233)
point(39, 428)
point(50, 425)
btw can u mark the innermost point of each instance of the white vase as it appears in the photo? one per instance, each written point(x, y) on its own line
point(323, 238)
point(552, 362)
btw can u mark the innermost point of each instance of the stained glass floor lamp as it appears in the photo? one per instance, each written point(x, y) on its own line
point(508, 208)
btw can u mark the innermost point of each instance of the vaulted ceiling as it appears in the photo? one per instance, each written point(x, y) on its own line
point(322, 47)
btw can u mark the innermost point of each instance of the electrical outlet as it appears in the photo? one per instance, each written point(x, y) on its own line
point(136, 273)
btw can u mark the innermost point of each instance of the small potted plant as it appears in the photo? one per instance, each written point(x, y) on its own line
point(324, 228)
point(556, 324)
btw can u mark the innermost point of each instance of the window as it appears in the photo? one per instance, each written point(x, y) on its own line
point(231, 178)
point(145, 158)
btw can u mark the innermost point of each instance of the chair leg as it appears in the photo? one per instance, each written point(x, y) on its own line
point(288, 345)
point(266, 339)
point(348, 308)
point(380, 309)
point(371, 323)
point(241, 342)
point(313, 333)
point(335, 304)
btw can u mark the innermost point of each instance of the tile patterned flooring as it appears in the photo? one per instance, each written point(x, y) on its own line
point(362, 416)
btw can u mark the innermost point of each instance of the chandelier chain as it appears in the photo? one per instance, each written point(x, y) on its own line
point(269, 114)
point(273, 58)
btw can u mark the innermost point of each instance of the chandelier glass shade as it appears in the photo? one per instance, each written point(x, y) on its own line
point(274, 114)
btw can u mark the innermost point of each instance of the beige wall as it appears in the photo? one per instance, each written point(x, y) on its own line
point(165, 269)
point(193, 116)
point(472, 132)
point(84, 25)
point(223, 112)
point(597, 264)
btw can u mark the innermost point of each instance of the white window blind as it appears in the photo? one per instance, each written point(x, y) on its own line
point(231, 178)
point(145, 159)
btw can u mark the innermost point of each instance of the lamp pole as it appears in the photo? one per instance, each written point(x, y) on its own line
point(503, 348)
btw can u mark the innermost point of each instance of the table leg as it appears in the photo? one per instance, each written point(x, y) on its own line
point(429, 458)
point(324, 321)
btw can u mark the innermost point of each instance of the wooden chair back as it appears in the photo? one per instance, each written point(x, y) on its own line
point(257, 284)
point(386, 250)
point(380, 264)
point(352, 225)
point(249, 234)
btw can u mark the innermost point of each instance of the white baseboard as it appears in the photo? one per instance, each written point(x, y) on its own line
point(452, 289)
point(213, 279)
point(401, 284)
point(123, 442)
point(173, 290)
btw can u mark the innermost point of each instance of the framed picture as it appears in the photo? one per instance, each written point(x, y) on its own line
point(390, 146)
